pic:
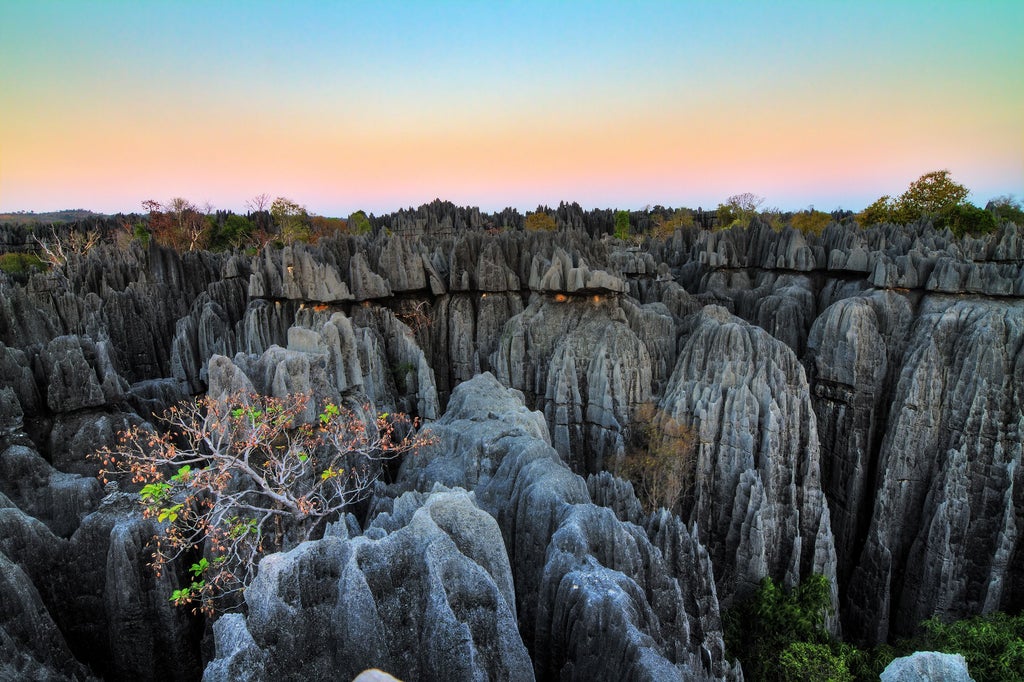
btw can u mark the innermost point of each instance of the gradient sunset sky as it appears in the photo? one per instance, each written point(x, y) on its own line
point(383, 105)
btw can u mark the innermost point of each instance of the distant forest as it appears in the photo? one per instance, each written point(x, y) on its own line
point(68, 215)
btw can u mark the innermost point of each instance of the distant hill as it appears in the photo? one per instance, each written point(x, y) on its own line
point(68, 215)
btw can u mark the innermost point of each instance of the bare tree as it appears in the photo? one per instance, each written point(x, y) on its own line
point(56, 249)
point(260, 202)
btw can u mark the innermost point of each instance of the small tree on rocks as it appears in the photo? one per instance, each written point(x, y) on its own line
point(660, 459)
point(231, 480)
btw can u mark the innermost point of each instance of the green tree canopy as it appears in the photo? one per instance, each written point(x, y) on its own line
point(622, 224)
point(291, 219)
point(739, 209)
point(934, 195)
point(358, 223)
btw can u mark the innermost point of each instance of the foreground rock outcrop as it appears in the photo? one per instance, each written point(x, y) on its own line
point(425, 593)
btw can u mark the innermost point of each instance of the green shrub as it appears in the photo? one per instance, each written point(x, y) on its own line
point(993, 645)
point(811, 222)
point(141, 232)
point(234, 232)
point(1006, 209)
point(774, 619)
point(358, 223)
point(806, 662)
point(967, 219)
point(622, 225)
point(19, 263)
point(664, 226)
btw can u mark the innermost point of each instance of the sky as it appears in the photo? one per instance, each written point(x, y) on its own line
point(380, 105)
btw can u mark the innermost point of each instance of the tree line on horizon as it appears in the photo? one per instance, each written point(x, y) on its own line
point(186, 226)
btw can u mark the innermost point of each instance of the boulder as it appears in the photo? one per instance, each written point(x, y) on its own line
point(922, 666)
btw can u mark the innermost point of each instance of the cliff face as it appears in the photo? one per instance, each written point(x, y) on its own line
point(757, 496)
point(856, 402)
point(944, 534)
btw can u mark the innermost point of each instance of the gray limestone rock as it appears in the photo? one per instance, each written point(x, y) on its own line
point(208, 329)
point(757, 496)
point(927, 666)
point(115, 613)
point(465, 329)
point(568, 273)
point(61, 500)
point(855, 352)
point(429, 597)
point(74, 437)
point(402, 262)
point(79, 374)
point(11, 416)
point(237, 657)
point(596, 598)
point(577, 359)
point(31, 646)
point(16, 376)
point(953, 447)
point(366, 284)
point(388, 345)
point(295, 272)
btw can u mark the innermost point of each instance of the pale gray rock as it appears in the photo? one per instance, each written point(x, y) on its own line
point(72, 381)
point(366, 284)
point(655, 326)
point(855, 352)
point(632, 261)
point(208, 330)
point(927, 666)
point(228, 379)
point(16, 376)
point(389, 345)
point(294, 272)
point(493, 273)
point(757, 497)
point(265, 324)
point(237, 657)
point(335, 337)
point(577, 360)
point(782, 304)
point(453, 335)
point(402, 262)
point(568, 273)
point(428, 598)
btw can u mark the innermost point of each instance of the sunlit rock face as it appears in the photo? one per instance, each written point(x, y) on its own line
point(756, 497)
point(577, 360)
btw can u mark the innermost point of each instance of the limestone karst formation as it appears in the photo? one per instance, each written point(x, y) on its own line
point(855, 399)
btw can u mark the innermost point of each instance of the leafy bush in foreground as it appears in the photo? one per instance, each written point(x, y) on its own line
point(229, 481)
